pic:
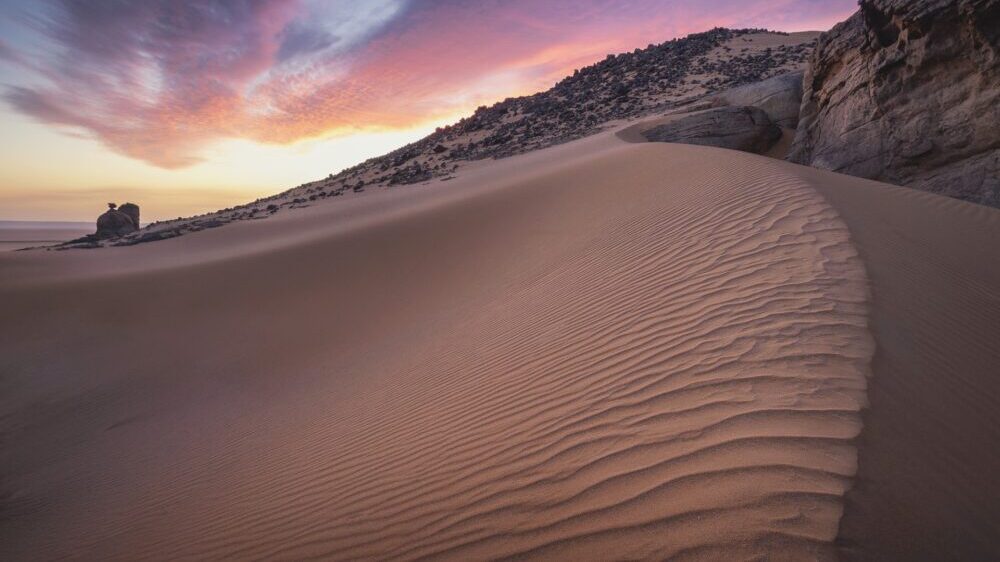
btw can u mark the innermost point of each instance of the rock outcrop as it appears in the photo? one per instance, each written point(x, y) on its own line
point(780, 97)
point(118, 222)
point(908, 92)
point(132, 210)
point(739, 128)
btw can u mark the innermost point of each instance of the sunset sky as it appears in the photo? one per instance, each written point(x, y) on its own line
point(186, 107)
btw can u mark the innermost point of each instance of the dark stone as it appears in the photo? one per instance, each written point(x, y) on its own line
point(780, 97)
point(132, 210)
point(115, 223)
point(738, 128)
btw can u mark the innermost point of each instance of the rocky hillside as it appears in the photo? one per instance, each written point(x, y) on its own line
point(623, 86)
point(908, 92)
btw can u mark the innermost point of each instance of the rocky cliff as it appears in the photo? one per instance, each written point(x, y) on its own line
point(780, 97)
point(908, 92)
point(743, 128)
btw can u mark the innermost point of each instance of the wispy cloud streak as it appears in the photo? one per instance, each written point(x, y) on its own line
point(157, 80)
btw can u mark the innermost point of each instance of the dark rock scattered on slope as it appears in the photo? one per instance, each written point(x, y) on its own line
point(738, 128)
point(623, 86)
point(780, 97)
point(908, 92)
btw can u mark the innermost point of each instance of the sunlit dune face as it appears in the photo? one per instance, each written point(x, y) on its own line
point(163, 82)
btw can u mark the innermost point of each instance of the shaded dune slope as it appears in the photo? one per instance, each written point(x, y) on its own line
point(652, 351)
point(929, 454)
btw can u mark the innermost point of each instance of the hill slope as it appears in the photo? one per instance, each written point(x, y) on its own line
point(624, 86)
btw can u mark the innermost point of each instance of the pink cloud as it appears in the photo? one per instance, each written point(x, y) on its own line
point(155, 80)
point(159, 80)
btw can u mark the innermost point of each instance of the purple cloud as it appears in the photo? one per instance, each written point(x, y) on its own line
point(157, 80)
point(154, 80)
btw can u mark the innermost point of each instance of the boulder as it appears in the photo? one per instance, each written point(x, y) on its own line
point(908, 92)
point(115, 222)
point(132, 210)
point(779, 97)
point(739, 128)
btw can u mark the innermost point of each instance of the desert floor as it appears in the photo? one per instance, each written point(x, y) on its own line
point(598, 350)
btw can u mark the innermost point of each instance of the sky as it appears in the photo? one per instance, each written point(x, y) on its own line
point(190, 106)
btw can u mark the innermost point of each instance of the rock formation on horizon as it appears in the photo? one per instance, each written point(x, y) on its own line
point(132, 210)
point(118, 221)
point(908, 92)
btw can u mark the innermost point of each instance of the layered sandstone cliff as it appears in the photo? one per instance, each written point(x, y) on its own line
point(908, 92)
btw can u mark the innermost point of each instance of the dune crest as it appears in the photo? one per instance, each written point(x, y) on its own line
point(649, 351)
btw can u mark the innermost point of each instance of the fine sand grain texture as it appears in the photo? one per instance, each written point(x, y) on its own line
point(596, 351)
point(928, 485)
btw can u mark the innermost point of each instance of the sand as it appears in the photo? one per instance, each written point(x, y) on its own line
point(598, 350)
point(930, 449)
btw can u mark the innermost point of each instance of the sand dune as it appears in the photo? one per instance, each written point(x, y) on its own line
point(599, 350)
point(927, 487)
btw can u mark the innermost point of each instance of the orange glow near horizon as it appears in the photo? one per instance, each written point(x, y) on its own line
point(237, 101)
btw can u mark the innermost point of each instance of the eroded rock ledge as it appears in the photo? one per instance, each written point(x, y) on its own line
point(743, 128)
point(908, 92)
